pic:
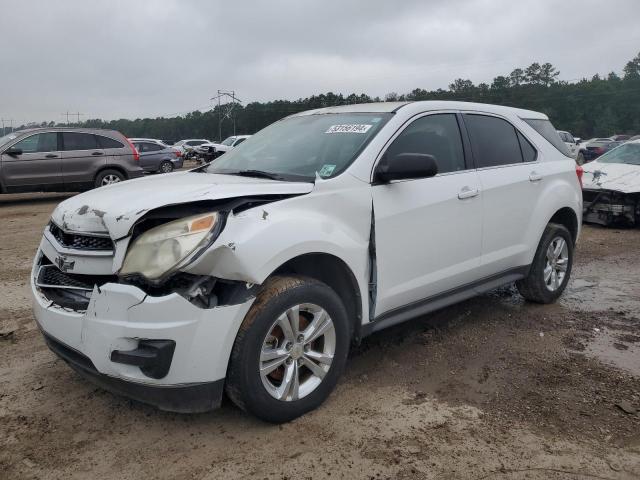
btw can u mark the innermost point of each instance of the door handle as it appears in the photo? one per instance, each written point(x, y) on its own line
point(468, 192)
point(535, 176)
point(97, 153)
point(51, 155)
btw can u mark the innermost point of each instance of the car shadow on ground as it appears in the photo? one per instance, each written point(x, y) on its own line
point(33, 198)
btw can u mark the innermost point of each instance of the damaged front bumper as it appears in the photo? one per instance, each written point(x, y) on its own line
point(611, 207)
point(111, 342)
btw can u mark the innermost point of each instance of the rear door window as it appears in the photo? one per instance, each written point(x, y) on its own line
point(79, 141)
point(494, 141)
point(529, 152)
point(149, 147)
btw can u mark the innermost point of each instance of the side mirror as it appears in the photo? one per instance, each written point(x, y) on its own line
point(406, 166)
point(13, 151)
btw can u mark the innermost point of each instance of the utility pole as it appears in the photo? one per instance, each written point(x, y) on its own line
point(67, 115)
point(226, 109)
point(78, 115)
point(3, 120)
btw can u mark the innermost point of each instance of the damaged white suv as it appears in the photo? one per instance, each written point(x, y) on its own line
point(253, 275)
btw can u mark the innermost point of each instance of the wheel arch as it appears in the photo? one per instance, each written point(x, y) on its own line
point(335, 273)
point(111, 167)
point(567, 217)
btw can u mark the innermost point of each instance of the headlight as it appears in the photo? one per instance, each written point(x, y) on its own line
point(163, 249)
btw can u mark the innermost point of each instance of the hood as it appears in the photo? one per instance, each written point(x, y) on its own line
point(115, 208)
point(620, 177)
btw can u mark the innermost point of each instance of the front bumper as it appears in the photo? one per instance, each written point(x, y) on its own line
point(192, 398)
point(118, 317)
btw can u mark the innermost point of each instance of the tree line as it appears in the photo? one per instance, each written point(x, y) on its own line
point(588, 108)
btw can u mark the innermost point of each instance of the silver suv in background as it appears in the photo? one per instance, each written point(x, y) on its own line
point(65, 159)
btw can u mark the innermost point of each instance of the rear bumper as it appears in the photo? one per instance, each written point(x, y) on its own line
point(189, 398)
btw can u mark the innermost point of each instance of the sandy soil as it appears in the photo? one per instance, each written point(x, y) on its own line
point(492, 388)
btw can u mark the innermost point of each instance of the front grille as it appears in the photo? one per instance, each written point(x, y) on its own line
point(67, 290)
point(80, 242)
point(590, 195)
point(50, 277)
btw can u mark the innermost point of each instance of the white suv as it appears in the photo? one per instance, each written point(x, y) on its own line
point(253, 275)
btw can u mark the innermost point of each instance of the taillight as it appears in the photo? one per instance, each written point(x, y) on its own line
point(579, 173)
point(134, 151)
point(178, 153)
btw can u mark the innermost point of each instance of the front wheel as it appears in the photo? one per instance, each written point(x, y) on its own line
point(551, 267)
point(290, 350)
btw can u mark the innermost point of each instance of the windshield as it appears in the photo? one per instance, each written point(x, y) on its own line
point(628, 153)
point(228, 141)
point(300, 147)
point(7, 138)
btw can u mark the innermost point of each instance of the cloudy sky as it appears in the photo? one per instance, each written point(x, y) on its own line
point(138, 58)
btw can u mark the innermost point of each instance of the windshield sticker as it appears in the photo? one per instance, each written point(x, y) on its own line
point(352, 128)
point(326, 170)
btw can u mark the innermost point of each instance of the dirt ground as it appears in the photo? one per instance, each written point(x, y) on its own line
point(493, 388)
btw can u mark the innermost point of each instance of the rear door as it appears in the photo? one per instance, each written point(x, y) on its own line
point(151, 154)
point(427, 231)
point(82, 157)
point(511, 178)
point(38, 167)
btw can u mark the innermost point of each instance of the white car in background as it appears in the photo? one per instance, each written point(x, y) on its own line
point(611, 189)
point(571, 144)
point(253, 275)
point(188, 146)
point(214, 150)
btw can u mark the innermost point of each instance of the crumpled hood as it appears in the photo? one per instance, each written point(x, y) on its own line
point(620, 177)
point(115, 208)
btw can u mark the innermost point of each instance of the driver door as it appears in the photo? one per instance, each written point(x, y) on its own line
point(428, 231)
point(38, 167)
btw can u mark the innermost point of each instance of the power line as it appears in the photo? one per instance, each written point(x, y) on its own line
point(226, 110)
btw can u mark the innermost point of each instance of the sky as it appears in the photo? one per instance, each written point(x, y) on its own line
point(146, 58)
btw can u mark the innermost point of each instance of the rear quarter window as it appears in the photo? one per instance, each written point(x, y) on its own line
point(106, 142)
point(550, 134)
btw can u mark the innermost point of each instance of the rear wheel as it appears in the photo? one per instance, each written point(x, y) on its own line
point(290, 349)
point(166, 167)
point(109, 177)
point(551, 267)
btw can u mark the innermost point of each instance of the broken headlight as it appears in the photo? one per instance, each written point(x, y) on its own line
point(163, 249)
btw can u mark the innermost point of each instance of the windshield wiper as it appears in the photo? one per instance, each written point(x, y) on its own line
point(256, 173)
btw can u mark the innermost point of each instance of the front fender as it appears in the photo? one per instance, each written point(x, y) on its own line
point(254, 243)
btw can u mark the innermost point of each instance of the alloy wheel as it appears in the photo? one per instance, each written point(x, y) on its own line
point(110, 179)
point(297, 352)
point(557, 262)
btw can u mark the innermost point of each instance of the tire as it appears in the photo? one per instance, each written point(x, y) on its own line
point(166, 167)
point(257, 393)
point(536, 287)
point(109, 177)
